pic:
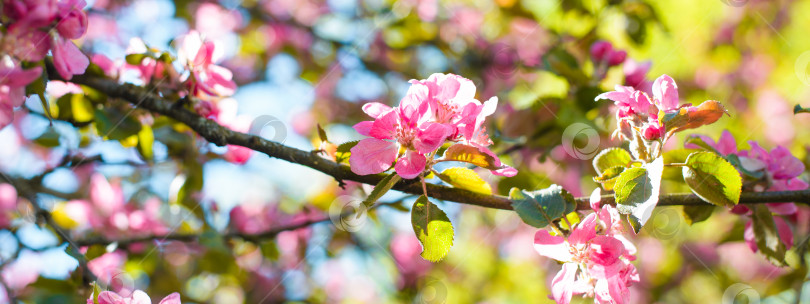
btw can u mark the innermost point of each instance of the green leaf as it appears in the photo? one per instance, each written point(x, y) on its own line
point(735, 161)
point(135, 59)
point(637, 191)
point(696, 213)
point(433, 229)
point(767, 235)
point(713, 179)
point(542, 207)
point(96, 292)
point(115, 125)
point(465, 178)
point(322, 134)
point(610, 158)
point(95, 251)
point(344, 151)
point(692, 117)
point(49, 138)
point(269, 250)
point(470, 154)
point(381, 188)
point(146, 140)
point(609, 177)
point(698, 141)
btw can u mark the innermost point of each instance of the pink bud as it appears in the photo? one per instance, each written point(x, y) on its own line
point(616, 58)
point(652, 132)
point(600, 49)
point(73, 25)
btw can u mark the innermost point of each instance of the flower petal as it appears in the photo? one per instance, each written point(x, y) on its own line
point(551, 246)
point(665, 93)
point(411, 165)
point(372, 156)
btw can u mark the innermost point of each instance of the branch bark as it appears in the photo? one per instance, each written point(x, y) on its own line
point(219, 135)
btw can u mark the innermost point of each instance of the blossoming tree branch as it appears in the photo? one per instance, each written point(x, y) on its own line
point(444, 137)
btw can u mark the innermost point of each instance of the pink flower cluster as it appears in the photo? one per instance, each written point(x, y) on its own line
point(636, 110)
point(8, 204)
point(137, 297)
point(204, 78)
point(782, 171)
point(107, 211)
point(603, 52)
point(596, 259)
point(28, 37)
point(433, 111)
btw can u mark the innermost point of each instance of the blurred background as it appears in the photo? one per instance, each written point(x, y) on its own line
point(305, 63)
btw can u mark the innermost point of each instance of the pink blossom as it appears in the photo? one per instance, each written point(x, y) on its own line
point(602, 51)
point(137, 297)
point(725, 145)
point(215, 21)
point(205, 77)
point(665, 93)
point(108, 266)
point(252, 218)
point(440, 108)
point(635, 74)
point(8, 204)
point(26, 43)
point(67, 58)
point(73, 21)
point(404, 126)
point(595, 261)
point(106, 197)
point(13, 80)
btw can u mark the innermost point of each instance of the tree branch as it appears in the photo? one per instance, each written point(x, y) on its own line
point(219, 135)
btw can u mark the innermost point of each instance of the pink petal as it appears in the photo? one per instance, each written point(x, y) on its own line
point(68, 59)
point(372, 156)
point(749, 237)
point(173, 298)
point(432, 137)
point(109, 297)
point(596, 198)
point(726, 144)
point(562, 286)
point(584, 231)
point(606, 250)
point(375, 109)
point(551, 246)
point(782, 208)
point(411, 165)
point(385, 126)
point(140, 297)
point(665, 92)
point(363, 127)
point(106, 197)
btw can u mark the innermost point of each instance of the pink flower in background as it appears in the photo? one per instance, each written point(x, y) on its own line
point(594, 264)
point(725, 145)
point(149, 68)
point(8, 204)
point(252, 218)
point(214, 21)
point(137, 297)
point(73, 21)
point(67, 58)
point(13, 80)
point(108, 266)
point(635, 75)
point(602, 51)
point(205, 78)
